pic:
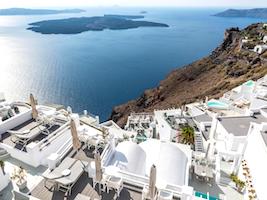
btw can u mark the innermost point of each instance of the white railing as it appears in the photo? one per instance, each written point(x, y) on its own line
point(133, 179)
point(65, 148)
point(106, 154)
point(141, 181)
point(53, 136)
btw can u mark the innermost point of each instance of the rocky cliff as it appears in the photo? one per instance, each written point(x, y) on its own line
point(228, 66)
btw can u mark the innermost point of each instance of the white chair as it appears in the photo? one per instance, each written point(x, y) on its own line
point(145, 193)
point(115, 183)
point(165, 195)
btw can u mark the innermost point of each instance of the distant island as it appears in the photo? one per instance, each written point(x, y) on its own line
point(126, 16)
point(79, 25)
point(255, 13)
point(26, 11)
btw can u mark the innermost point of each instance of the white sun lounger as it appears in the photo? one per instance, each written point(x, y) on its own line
point(24, 136)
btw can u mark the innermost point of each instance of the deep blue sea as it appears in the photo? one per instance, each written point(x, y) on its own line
point(98, 70)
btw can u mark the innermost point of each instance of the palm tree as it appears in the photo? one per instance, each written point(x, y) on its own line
point(187, 135)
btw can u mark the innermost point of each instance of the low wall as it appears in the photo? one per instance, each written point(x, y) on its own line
point(35, 156)
point(14, 121)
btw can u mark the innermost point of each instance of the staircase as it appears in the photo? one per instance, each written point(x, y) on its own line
point(225, 180)
point(198, 142)
point(4, 154)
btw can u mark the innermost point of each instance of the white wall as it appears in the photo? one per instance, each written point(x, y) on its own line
point(14, 121)
point(34, 156)
point(163, 128)
point(256, 156)
point(4, 180)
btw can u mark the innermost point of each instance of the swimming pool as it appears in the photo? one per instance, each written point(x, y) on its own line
point(217, 105)
point(205, 196)
point(249, 83)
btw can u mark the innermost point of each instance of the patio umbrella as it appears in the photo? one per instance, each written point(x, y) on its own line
point(75, 140)
point(98, 170)
point(33, 105)
point(98, 174)
point(152, 182)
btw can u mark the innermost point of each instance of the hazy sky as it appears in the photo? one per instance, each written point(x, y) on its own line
point(182, 3)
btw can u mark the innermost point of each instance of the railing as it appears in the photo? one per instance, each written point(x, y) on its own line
point(53, 136)
point(88, 115)
point(133, 179)
point(141, 181)
point(65, 148)
point(106, 154)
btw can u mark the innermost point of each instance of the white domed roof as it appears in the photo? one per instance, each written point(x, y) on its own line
point(130, 157)
point(170, 160)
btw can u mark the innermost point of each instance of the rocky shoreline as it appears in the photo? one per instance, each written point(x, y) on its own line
point(225, 68)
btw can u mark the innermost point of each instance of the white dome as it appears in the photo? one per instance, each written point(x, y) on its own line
point(170, 160)
point(130, 157)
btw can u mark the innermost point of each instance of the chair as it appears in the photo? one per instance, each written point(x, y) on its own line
point(165, 195)
point(24, 136)
point(145, 193)
point(115, 183)
point(66, 183)
point(52, 175)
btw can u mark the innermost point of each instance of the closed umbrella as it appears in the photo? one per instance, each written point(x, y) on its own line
point(75, 139)
point(98, 170)
point(33, 105)
point(98, 174)
point(152, 182)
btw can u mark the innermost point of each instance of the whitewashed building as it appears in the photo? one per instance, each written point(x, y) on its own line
point(260, 49)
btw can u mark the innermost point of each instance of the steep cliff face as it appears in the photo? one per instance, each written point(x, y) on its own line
point(228, 66)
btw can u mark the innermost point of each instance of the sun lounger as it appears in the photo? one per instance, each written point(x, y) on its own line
point(23, 136)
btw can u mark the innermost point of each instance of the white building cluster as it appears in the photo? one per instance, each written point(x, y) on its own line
point(227, 159)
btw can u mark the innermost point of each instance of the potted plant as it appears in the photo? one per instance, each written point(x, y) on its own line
point(19, 176)
point(2, 165)
point(240, 185)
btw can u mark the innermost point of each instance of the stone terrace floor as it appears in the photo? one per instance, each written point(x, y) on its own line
point(83, 185)
point(215, 189)
point(36, 188)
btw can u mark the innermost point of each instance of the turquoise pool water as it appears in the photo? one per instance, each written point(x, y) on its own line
point(141, 138)
point(217, 104)
point(205, 196)
point(249, 83)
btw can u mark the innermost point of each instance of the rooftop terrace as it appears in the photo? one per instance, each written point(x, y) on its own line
point(83, 185)
point(239, 126)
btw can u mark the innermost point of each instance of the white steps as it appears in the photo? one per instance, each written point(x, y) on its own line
point(198, 142)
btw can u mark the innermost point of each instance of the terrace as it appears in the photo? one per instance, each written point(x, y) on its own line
point(141, 123)
point(11, 110)
point(36, 187)
point(34, 126)
point(215, 190)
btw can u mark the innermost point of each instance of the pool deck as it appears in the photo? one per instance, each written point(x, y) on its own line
point(214, 189)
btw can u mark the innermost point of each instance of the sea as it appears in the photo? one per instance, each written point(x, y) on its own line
point(97, 70)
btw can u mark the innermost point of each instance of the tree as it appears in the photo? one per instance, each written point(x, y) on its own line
point(187, 135)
